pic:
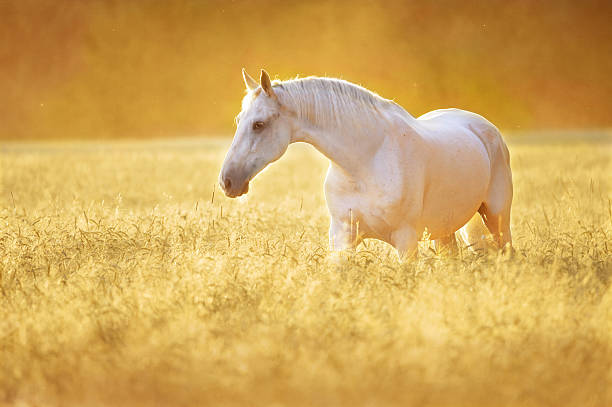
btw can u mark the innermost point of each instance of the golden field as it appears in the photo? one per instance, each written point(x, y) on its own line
point(127, 279)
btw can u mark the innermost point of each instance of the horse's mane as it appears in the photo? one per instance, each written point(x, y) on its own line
point(332, 102)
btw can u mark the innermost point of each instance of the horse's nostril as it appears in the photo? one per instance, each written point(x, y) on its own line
point(227, 183)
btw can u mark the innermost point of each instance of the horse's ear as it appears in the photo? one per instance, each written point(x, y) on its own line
point(266, 85)
point(249, 82)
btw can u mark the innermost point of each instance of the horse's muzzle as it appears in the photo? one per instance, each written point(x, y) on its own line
point(232, 188)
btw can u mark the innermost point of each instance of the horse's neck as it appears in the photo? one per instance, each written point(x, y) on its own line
point(346, 151)
point(351, 148)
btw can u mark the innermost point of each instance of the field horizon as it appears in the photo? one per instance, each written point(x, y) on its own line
point(127, 279)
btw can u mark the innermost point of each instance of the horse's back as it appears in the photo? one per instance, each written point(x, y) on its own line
point(449, 121)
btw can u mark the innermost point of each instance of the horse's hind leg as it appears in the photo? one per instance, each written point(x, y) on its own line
point(495, 210)
point(498, 224)
point(448, 243)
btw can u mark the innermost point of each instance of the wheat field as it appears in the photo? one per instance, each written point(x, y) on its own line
point(127, 279)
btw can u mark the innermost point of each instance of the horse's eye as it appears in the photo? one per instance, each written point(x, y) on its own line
point(258, 125)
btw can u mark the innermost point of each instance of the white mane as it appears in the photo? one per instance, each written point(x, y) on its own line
point(329, 102)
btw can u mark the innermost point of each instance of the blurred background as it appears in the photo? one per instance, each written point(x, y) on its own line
point(139, 69)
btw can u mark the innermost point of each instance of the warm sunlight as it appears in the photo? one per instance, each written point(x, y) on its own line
point(402, 258)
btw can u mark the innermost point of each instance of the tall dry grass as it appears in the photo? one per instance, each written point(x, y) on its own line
point(124, 281)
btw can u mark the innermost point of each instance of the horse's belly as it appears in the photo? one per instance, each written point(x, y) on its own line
point(440, 222)
point(455, 188)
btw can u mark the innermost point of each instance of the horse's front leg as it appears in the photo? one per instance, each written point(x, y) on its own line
point(342, 240)
point(405, 241)
point(343, 234)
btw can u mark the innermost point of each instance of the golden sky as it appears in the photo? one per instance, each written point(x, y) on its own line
point(137, 69)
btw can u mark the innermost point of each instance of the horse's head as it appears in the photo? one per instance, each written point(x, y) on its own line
point(262, 136)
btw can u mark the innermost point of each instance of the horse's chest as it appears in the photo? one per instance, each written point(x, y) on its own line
point(369, 206)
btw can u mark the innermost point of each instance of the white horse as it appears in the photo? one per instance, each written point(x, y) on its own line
point(391, 177)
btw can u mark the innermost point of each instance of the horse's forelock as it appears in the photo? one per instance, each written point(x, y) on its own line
point(326, 101)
